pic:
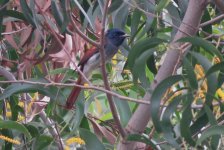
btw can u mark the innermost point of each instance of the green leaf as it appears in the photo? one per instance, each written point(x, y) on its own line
point(206, 17)
point(151, 64)
point(212, 81)
point(61, 70)
point(50, 91)
point(214, 68)
point(197, 41)
point(166, 124)
point(157, 96)
point(141, 138)
point(56, 13)
point(186, 120)
point(84, 123)
point(115, 4)
point(27, 12)
point(175, 16)
point(123, 109)
point(162, 4)
point(15, 14)
point(214, 130)
point(135, 22)
point(79, 114)
point(140, 47)
point(2, 10)
point(7, 133)
point(84, 13)
point(92, 142)
point(120, 16)
point(215, 139)
point(139, 69)
point(65, 16)
point(42, 142)
point(33, 130)
point(190, 74)
point(15, 125)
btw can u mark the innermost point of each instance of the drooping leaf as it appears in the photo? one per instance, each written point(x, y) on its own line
point(215, 139)
point(79, 114)
point(140, 47)
point(157, 97)
point(15, 14)
point(16, 126)
point(43, 142)
point(166, 124)
point(214, 130)
point(190, 74)
point(115, 4)
point(161, 5)
point(123, 109)
point(27, 12)
point(211, 79)
point(57, 13)
point(15, 88)
point(141, 138)
point(186, 120)
point(214, 68)
point(92, 142)
point(84, 13)
point(197, 41)
point(120, 16)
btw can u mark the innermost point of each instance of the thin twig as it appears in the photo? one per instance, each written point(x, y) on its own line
point(77, 30)
point(9, 76)
point(13, 32)
point(212, 21)
point(104, 74)
point(52, 129)
point(63, 47)
point(139, 101)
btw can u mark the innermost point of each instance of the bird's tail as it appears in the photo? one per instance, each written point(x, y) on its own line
point(73, 95)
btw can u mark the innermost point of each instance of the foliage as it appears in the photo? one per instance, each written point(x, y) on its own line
point(40, 47)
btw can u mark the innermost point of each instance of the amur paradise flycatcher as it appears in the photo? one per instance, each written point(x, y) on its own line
point(91, 59)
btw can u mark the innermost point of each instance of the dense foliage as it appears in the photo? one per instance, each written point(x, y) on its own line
point(166, 80)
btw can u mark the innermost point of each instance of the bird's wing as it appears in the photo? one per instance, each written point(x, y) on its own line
point(89, 53)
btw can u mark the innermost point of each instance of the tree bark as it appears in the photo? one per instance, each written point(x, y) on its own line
point(141, 116)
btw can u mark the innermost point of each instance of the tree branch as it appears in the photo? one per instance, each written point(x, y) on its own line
point(9, 76)
point(140, 101)
point(77, 30)
point(63, 47)
point(104, 73)
point(213, 21)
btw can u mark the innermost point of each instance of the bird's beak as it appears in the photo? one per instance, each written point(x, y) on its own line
point(125, 35)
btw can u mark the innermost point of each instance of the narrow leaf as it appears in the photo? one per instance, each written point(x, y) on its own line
point(15, 125)
point(157, 97)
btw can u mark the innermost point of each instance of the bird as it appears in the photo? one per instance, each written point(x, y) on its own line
point(91, 60)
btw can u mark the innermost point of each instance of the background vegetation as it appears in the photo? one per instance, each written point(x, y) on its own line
point(166, 81)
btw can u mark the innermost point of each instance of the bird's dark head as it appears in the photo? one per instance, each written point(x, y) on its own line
point(116, 36)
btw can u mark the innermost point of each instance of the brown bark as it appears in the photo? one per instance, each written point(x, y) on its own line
point(141, 116)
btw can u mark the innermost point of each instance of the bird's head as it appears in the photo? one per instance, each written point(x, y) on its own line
point(116, 36)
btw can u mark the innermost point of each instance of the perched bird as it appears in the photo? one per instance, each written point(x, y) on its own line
point(91, 59)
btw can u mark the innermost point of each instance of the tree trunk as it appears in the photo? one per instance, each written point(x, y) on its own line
point(141, 116)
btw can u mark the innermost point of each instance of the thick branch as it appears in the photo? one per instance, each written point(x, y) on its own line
point(142, 115)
